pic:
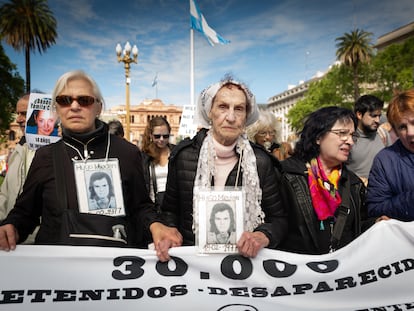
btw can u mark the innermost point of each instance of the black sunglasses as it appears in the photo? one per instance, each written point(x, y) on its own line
point(84, 100)
point(158, 136)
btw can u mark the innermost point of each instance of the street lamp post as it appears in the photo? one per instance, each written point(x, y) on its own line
point(125, 57)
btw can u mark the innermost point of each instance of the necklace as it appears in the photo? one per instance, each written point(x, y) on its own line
point(86, 154)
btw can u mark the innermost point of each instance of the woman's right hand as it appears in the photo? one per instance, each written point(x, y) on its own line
point(164, 238)
point(8, 237)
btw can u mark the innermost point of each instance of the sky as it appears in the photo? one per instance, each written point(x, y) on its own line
point(274, 43)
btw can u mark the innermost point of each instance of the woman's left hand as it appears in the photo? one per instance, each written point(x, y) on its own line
point(250, 243)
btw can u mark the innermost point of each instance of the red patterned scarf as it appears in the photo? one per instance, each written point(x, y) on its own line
point(323, 189)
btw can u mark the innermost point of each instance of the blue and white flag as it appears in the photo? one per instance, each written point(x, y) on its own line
point(199, 23)
point(155, 81)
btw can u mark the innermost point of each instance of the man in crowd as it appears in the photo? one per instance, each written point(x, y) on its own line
point(18, 166)
point(372, 138)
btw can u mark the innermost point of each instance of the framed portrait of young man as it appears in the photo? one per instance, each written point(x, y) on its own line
point(98, 185)
point(218, 220)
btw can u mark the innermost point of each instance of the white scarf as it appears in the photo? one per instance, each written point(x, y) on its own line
point(253, 214)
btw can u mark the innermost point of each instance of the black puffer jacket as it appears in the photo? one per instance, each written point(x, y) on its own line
point(177, 207)
point(306, 234)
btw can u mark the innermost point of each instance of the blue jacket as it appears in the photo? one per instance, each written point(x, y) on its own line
point(391, 183)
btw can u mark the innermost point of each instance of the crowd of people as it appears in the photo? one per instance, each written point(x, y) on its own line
point(95, 188)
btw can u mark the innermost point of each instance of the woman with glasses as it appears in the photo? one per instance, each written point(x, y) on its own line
point(327, 209)
point(156, 149)
point(266, 132)
point(56, 188)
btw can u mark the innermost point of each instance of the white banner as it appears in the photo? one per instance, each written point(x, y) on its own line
point(375, 272)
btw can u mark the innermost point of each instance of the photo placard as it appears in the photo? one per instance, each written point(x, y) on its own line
point(41, 121)
point(99, 187)
point(220, 220)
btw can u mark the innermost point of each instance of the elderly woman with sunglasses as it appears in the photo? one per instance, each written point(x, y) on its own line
point(156, 148)
point(56, 186)
point(327, 208)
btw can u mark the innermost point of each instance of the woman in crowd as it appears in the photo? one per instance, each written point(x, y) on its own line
point(58, 171)
point(391, 179)
point(219, 157)
point(156, 149)
point(326, 200)
point(266, 132)
point(43, 122)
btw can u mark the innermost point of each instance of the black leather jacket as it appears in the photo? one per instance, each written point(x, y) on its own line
point(177, 206)
point(305, 234)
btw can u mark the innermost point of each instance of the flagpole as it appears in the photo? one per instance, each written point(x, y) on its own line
point(192, 102)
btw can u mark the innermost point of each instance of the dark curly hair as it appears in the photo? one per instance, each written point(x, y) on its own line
point(317, 124)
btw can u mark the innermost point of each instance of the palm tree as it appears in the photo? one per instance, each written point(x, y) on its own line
point(353, 49)
point(27, 24)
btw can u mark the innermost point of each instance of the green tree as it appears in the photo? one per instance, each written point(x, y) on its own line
point(11, 88)
point(331, 90)
point(388, 70)
point(393, 69)
point(354, 49)
point(28, 25)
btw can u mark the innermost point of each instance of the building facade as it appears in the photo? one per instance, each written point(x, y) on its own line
point(144, 112)
point(280, 105)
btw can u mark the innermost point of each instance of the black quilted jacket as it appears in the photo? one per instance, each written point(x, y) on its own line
point(177, 207)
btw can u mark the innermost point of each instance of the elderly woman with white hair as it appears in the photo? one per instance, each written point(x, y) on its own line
point(220, 156)
point(55, 188)
point(266, 132)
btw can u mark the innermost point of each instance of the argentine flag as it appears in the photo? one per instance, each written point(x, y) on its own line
point(199, 23)
point(155, 81)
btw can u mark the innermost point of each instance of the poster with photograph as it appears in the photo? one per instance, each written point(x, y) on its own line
point(220, 220)
point(41, 121)
point(99, 187)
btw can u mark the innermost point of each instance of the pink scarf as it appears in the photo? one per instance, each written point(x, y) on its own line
point(323, 189)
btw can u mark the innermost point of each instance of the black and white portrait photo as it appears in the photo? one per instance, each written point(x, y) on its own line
point(222, 224)
point(101, 191)
point(219, 220)
point(99, 187)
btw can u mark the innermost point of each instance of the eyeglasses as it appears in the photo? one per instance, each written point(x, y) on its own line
point(345, 134)
point(84, 100)
point(265, 133)
point(158, 136)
